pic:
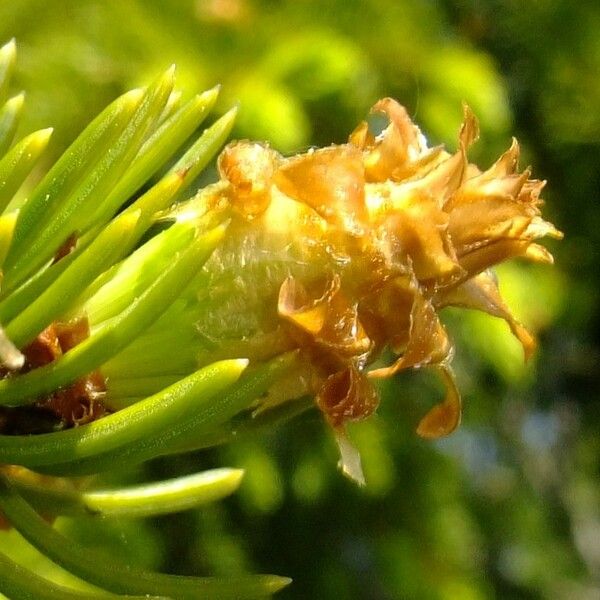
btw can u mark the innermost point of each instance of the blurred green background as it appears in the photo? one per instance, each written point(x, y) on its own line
point(509, 506)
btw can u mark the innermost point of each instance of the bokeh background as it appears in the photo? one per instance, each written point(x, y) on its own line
point(509, 506)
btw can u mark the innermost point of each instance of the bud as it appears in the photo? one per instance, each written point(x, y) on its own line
point(348, 250)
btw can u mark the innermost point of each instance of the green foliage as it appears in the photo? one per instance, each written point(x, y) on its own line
point(74, 213)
